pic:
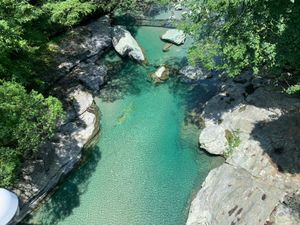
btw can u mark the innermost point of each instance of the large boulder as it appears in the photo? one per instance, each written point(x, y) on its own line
point(174, 36)
point(231, 195)
point(264, 163)
point(126, 45)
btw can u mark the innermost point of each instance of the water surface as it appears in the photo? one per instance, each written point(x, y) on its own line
point(147, 165)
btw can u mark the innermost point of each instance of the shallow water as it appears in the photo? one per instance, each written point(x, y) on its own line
point(147, 164)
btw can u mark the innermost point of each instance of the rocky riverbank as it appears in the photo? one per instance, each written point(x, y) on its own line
point(258, 131)
point(75, 78)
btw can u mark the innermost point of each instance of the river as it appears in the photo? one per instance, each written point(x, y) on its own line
point(147, 165)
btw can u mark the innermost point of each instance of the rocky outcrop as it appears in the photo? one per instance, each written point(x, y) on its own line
point(193, 73)
point(262, 168)
point(61, 153)
point(73, 59)
point(85, 43)
point(230, 195)
point(126, 45)
point(174, 36)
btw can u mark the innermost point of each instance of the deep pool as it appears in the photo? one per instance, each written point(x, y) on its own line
point(147, 164)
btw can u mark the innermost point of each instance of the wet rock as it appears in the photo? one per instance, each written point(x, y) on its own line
point(174, 36)
point(126, 45)
point(160, 75)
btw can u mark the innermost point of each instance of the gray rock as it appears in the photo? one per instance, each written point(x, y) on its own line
point(80, 44)
point(190, 73)
point(73, 59)
point(60, 155)
point(231, 195)
point(174, 36)
point(91, 75)
point(212, 139)
point(82, 100)
point(126, 45)
point(288, 212)
point(267, 157)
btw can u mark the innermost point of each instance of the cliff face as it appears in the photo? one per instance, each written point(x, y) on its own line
point(75, 77)
point(258, 131)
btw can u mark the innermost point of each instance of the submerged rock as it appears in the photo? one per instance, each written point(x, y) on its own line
point(126, 45)
point(160, 75)
point(174, 36)
point(190, 73)
point(167, 47)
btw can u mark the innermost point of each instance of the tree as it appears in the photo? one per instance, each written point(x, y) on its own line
point(261, 35)
point(27, 120)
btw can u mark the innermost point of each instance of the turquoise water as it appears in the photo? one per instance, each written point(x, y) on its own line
point(147, 165)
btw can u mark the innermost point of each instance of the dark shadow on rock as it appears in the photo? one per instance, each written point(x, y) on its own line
point(67, 196)
point(280, 139)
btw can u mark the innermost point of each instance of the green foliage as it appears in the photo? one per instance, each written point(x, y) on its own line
point(262, 35)
point(293, 89)
point(27, 25)
point(233, 139)
point(27, 119)
point(9, 164)
point(69, 12)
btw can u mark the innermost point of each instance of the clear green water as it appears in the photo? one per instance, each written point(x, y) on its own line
point(147, 165)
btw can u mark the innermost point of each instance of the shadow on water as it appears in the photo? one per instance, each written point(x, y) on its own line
point(67, 197)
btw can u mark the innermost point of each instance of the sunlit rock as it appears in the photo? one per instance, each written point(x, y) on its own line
point(126, 45)
point(174, 36)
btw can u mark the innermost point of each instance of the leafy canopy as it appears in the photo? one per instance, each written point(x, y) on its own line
point(263, 35)
point(27, 119)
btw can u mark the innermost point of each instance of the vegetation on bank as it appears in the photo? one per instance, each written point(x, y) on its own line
point(28, 118)
point(260, 35)
point(233, 140)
